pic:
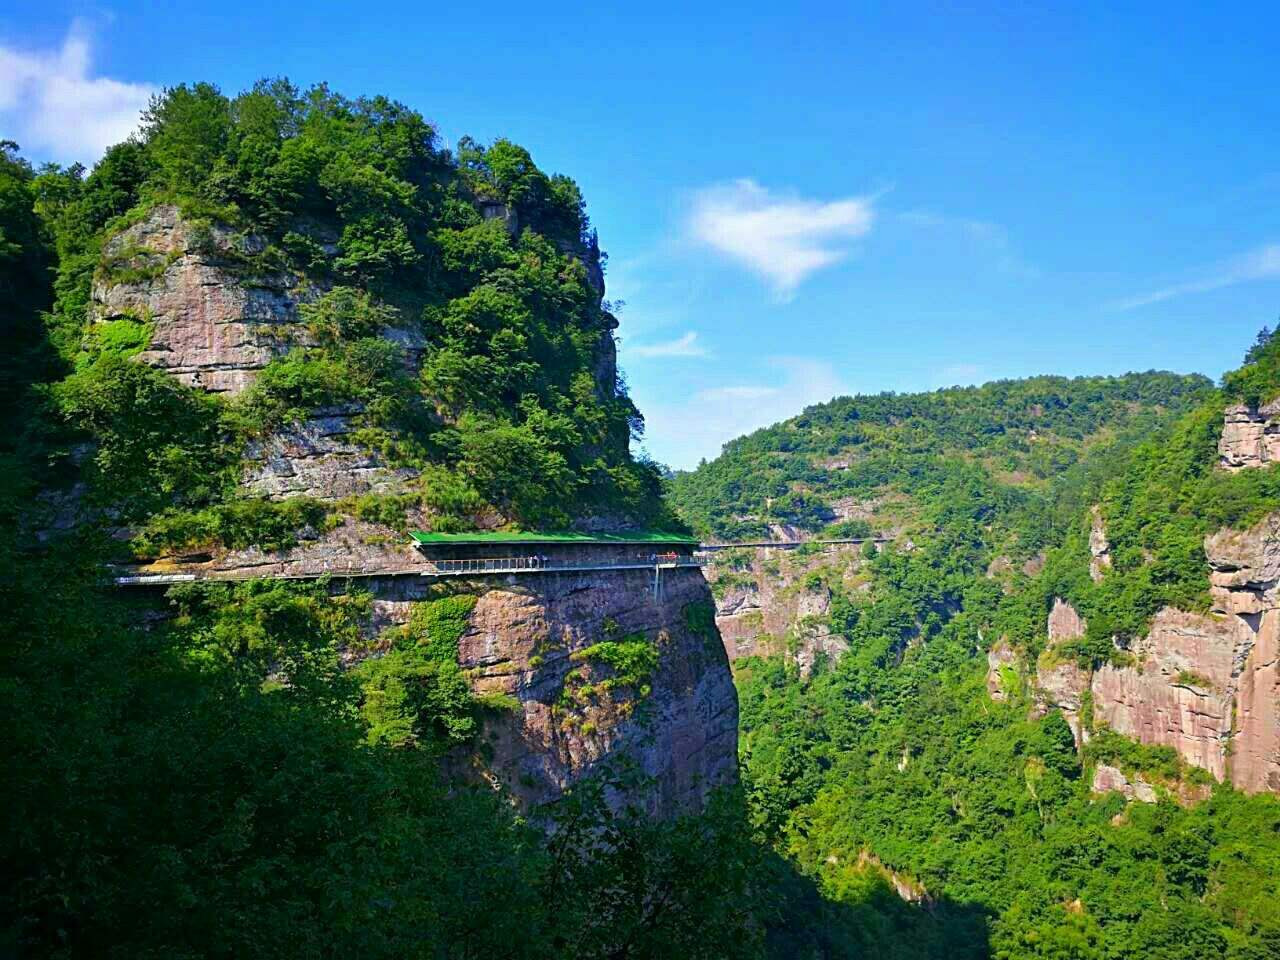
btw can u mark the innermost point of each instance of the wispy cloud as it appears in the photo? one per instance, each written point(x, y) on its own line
point(53, 105)
point(782, 237)
point(1255, 265)
point(989, 241)
point(682, 433)
point(958, 374)
point(685, 346)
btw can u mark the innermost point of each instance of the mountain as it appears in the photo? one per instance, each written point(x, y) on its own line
point(251, 350)
point(1009, 688)
point(1027, 705)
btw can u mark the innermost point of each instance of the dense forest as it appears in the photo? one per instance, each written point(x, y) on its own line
point(214, 782)
point(896, 751)
point(375, 226)
point(206, 779)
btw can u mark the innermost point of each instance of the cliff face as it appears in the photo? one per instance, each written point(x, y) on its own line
point(1205, 684)
point(1250, 436)
point(216, 317)
point(771, 600)
point(531, 639)
point(215, 321)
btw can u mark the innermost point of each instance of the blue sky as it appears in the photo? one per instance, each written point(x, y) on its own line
point(798, 201)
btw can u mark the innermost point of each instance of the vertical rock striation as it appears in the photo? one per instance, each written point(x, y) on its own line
point(529, 639)
point(1205, 684)
point(1250, 436)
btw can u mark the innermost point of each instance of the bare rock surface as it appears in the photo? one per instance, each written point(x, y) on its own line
point(1179, 693)
point(317, 458)
point(1064, 622)
point(215, 320)
point(1099, 548)
point(525, 640)
point(769, 607)
point(1107, 778)
point(1250, 436)
point(1205, 684)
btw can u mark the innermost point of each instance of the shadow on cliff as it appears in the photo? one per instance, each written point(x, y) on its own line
point(871, 921)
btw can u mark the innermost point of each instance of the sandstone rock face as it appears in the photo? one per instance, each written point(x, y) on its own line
point(1061, 682)
point(1099, 548)
point(1179, 694)
point(215, 320)
point(766, 607)
point(524, 632)
point(1107, 778)
point(522, 640)
point(1205, 684)
point(1250, 437)
point(1064, 622)
point(316, 458)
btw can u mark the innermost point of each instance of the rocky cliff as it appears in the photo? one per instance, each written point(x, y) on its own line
point(534, 639)
point(1205, 684)
point(1250, 436)
point(217, 312)
point(773, 600)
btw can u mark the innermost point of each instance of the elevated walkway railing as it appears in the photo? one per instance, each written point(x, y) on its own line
point(429, 568)
point(538, 564)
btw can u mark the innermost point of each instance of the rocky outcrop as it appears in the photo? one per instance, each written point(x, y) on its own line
point(1062, 683)
point(767, 602)
point(1107, 778)
point(1250, 436)
point(526, 640)
point(1205, 684)
point(317, 458)
point(1146, 789)
point(218, 307)
point(216, 318)
point(1099, 548)
point(1179, 692)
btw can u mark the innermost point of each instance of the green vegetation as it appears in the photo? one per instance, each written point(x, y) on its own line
point(416, 692)
point(631, 660)
point(1018, 433)
point(380, 228)
point(896, 753)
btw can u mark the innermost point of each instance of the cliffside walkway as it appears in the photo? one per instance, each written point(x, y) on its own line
point(541, 564)
point(669, 553)
point(477, 567)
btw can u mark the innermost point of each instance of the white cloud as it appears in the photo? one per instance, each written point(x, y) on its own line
point(1255, 265)
point(685, 346)
point(782, 238)
point(680, 434)
point(55, 108)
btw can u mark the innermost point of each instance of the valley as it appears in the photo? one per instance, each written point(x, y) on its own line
point(345, 618)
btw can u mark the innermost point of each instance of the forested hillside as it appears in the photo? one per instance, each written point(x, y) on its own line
point(1018, 433)
point(912, 753)
point(203, 774)
point(249, 769)
point(354, 238)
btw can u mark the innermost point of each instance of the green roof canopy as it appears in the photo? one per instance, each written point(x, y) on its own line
point(425, 538)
